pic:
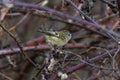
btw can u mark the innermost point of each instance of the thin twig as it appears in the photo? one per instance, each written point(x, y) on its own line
point(81, 65)
point(109, 3)
point(96, 76)
point(22, 20)
point(11, 51)
point(20, 47)
point(3, 75)
point(77, 67)
point(108, 32)
point(118, 5)
point(54, 17)
point(63, 15)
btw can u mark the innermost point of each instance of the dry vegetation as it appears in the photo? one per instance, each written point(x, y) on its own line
point(93, 53)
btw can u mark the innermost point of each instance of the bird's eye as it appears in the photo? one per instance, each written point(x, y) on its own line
point(56, 34)
point(69, 34)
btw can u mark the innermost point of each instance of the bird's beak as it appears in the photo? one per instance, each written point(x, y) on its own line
point(48, 33)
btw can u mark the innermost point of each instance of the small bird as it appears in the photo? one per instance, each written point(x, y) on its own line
point(57, 38)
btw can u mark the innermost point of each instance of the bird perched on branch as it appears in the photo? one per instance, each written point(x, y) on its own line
point(57, 38)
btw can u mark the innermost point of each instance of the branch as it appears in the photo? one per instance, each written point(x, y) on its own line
point(20, 47)
point(81, 65)
point(109, 3)
point(105, 30)
point(63, 15)
point(54, 17)
point(118, 4)
point(34, 42)
point(11, 51)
